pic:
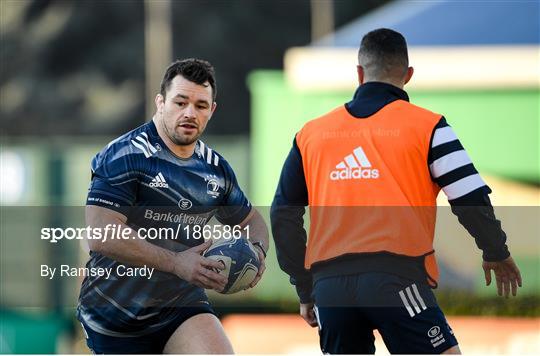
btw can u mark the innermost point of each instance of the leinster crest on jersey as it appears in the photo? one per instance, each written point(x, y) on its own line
point(212, 186)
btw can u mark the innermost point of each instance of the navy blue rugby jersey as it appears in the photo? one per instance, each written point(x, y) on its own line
point(138, 176)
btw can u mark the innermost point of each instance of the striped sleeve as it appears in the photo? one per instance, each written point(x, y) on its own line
point(450, 165)
point(452, 169)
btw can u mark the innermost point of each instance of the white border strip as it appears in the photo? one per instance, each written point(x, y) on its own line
point(444, 67)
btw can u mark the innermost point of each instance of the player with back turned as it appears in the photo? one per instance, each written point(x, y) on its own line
point(370, 171)
point(161, 175)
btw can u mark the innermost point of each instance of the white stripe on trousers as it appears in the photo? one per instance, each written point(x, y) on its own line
point(419, 297)
point(413, 301)
point(406, 303)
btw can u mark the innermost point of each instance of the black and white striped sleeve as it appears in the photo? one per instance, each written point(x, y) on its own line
point(452, 169)
point(450, 165)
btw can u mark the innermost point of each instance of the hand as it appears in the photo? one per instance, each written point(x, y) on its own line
point(507, 275)
point(199, 270)
point(262, 268)
point(307, 312)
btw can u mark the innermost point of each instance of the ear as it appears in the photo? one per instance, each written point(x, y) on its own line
point(212, 109)
point(361, 73)
point(408, 76)
point(160, 102)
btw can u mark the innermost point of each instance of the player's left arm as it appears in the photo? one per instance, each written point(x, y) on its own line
point(452, 169)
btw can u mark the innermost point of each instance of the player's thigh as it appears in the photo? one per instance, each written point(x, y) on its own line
point(343, 329)
point(411, 321)
point(200, 334)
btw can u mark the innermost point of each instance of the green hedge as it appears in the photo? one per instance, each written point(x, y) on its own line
point(451, 302)
point(462, 303)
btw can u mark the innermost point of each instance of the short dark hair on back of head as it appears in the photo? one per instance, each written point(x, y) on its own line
point(383, 54)
point(195, 70)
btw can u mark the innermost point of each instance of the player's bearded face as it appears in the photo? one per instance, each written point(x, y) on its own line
point(186, 110)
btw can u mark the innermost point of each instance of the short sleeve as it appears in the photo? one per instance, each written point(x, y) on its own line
point(114, 180)
point(235, 206)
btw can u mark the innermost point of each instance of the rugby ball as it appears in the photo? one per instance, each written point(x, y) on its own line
point(240, 261)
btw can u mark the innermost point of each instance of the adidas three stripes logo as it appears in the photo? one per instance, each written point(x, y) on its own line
point(412, 300)
point(207, 153)
point(143, 144)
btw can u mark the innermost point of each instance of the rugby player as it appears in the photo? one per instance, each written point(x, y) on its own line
point(370, 171)
point(161, 175)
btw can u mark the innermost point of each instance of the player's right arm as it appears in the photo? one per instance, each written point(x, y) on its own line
point(112, 192)
point(287, 220)
point(188, 265)
point(452, 169)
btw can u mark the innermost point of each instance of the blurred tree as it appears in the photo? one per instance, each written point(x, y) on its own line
point(77, 67)
point(72, 67)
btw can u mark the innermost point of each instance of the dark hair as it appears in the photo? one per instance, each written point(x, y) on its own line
point(383, 54)
point(195, 70)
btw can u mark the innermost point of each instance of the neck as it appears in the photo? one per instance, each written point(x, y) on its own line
point(182, 151)
point(395, 83)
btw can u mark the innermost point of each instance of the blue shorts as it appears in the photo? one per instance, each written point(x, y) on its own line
point(405, 313)
point(153, 343)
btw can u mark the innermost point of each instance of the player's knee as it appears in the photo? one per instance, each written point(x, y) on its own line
point(200, 334)
point(454, 350)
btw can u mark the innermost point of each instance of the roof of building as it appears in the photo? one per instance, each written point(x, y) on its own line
point(430, 23)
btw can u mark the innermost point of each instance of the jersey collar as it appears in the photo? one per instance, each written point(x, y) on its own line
point(155, 134)
point(372, 97)
point(153, 131)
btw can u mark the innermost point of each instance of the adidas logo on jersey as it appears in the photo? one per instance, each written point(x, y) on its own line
point(354, 166)
point(159, 182)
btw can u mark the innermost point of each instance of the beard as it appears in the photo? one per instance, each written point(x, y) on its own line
point(183, 140)
point(178, 138)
